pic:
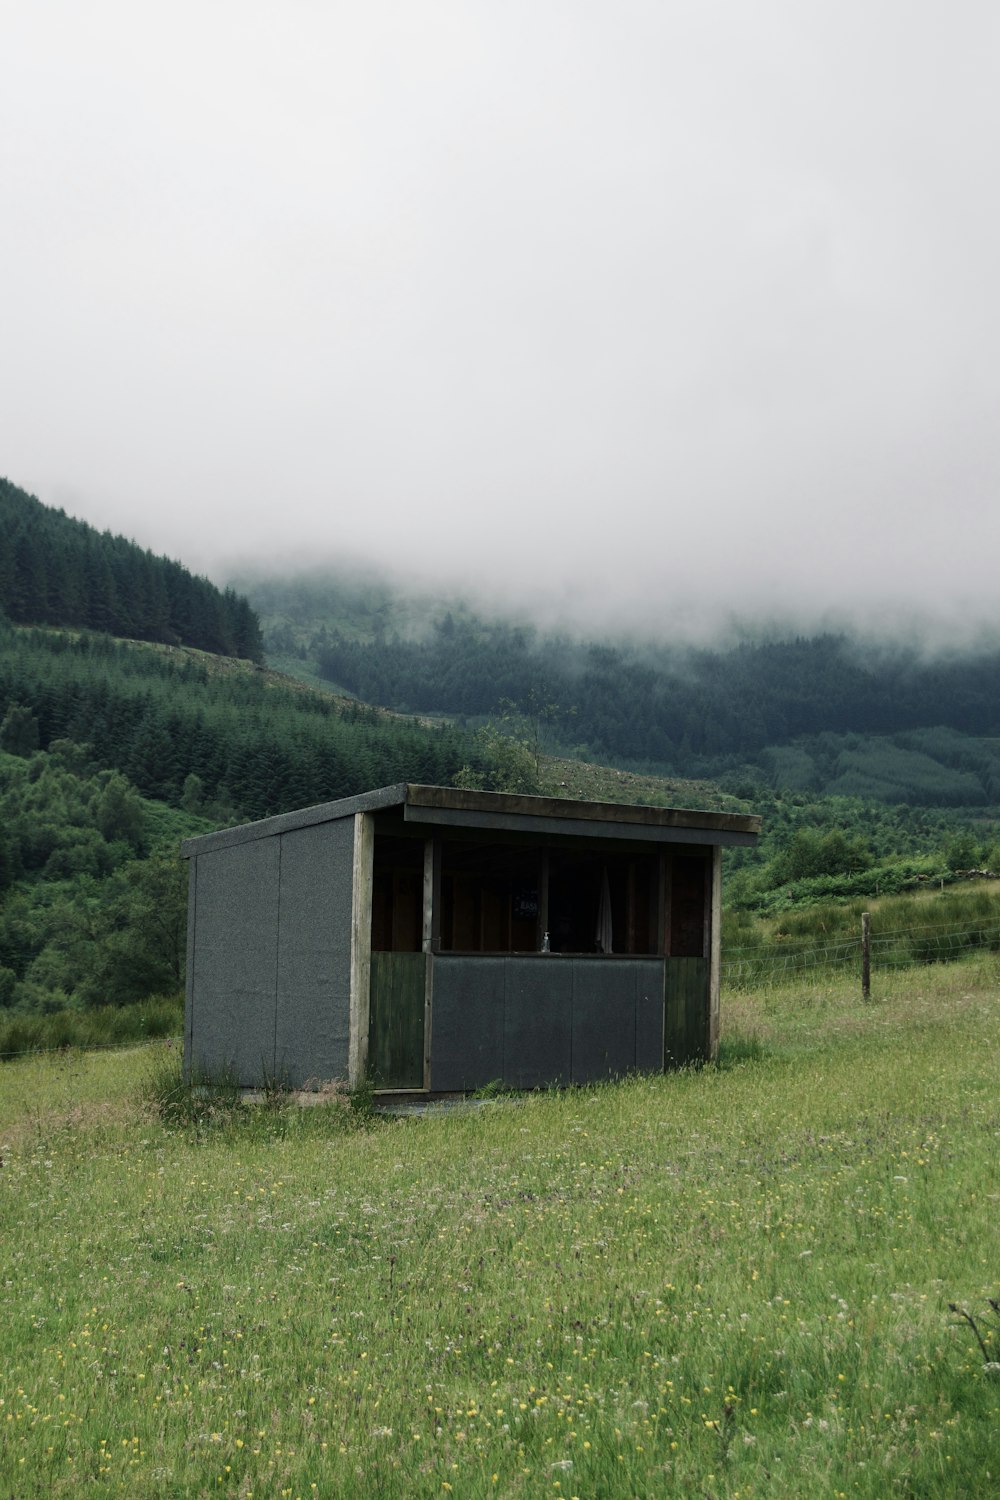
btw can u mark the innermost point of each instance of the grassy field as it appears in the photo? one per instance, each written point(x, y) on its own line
point(926, 925)
point(726, 1283)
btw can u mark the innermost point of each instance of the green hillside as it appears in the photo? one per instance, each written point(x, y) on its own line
point(58, 571)
point(253, 742)
point(825, 714)
point(110, 753)
point(112, 750)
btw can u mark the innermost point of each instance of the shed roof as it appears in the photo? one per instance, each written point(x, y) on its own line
point(445, 806)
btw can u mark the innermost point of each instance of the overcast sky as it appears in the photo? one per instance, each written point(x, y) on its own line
point(633, 308)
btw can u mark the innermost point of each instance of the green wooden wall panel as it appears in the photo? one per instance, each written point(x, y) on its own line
point(396, 1020)
point(686, 1030)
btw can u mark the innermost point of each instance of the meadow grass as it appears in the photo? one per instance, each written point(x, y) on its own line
point(927, 925)
point(726, 1283)
point(22, 1032)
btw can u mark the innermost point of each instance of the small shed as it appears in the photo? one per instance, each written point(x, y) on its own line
point(439, 940)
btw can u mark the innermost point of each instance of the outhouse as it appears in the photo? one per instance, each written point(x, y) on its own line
point(440, 940)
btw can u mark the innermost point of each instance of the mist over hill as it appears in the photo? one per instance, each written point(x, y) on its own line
point(902, 717)
point(111, 750)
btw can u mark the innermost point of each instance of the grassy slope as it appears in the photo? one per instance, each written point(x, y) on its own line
point(730, 1283)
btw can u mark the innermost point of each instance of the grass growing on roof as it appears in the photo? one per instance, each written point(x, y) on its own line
point(732, 1282)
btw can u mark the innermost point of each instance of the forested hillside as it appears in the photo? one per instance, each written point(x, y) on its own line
point(112, 750)
point(824, 713)
point(110, 753)
point(253, 744)
point(672, 704)
point(58, 571)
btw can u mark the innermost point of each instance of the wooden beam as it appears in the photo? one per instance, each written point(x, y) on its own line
point(432, 895)
point(714, 950)
point(361, 948)
point(630, 908)
point(543, 897)
point(663, 907)
point(431, 939)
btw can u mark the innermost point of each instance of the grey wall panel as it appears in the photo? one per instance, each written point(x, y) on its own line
point(233, 988)
point(533, 1021)
point(603, 1018)
point(538, 1024)
point(649, 1014)
point(189, 966)
point(467, 1024)
point(314, 953)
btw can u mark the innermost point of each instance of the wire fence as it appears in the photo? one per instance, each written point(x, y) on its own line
point(83, 1045)
point(774, 960)
point(778, 959)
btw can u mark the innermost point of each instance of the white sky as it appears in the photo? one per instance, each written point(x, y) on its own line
point(629, 308)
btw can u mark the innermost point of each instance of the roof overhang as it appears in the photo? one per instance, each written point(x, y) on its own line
point(450, 807)
point(504, 812)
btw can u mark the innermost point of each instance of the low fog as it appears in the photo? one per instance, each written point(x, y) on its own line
point(653, 317)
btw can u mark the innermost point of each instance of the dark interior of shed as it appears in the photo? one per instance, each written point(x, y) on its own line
point(499, 897)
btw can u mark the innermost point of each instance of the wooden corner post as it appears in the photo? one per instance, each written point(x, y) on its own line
point(431, 940)
point(361, 948)
point(714, 952)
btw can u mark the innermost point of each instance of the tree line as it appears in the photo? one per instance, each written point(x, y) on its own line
point(683, 709)
point(110, 753)
point(55, 570)
point(236, 744)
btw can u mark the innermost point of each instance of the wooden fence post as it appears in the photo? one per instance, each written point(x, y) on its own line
point(866, 955)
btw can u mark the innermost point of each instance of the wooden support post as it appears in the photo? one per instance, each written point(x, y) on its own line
point(543, 898)
point(866, 955)
point(714, 949)
point(663, 908)
point(630, 909)
point(431, 940)
point(361, 949)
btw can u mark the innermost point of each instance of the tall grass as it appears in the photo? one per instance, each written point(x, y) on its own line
point(928, 926)
point(109, 1026)
point(732, 1283)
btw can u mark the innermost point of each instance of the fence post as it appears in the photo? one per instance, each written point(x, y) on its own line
point(866, 955)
